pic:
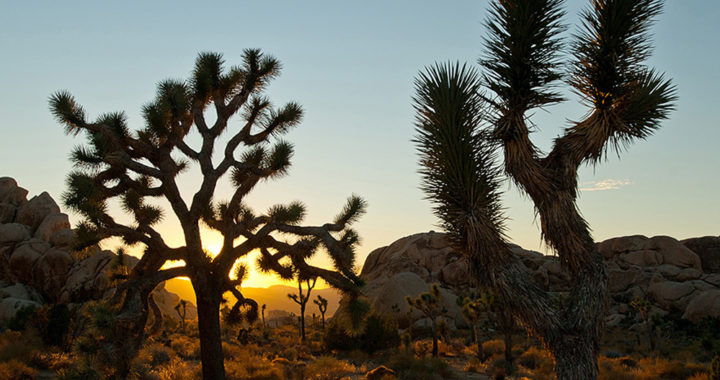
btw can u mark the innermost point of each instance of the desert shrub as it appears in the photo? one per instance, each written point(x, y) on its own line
point(328, 368)
point(614, 369)
point(656, 368)
point(700, 376)
point(22, 318)
point(410, 367)
point(156, 354)
point(473, 365)
point(715, 368)
point(20, 346)
point(289, 353)
point(255, 368)
point(380, 332)
point(174, 369)
point(81, 371)
point(16, 370)
point(493, 347)
point(535, 358)
point(187, 348)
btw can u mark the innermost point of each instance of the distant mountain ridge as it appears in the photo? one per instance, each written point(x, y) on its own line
point(275, 297)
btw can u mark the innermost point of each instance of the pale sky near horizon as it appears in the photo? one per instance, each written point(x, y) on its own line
point(351, 66)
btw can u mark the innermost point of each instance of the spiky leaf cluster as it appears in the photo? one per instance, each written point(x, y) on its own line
point(457, 168)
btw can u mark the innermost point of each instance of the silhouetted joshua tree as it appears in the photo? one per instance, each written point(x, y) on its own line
point(139, 166)
point(462, 116)
point(262, 312)
point(322, 304)
point(429, 304)
point(302, 299)
point(181, 310)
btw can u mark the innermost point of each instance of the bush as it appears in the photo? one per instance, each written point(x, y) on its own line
point(16, 370)
point(22, 318)
point(328, 368)
point(493, 347)
point(534, 358)
point(14, 345)
point(380, 332)
point(409, 367)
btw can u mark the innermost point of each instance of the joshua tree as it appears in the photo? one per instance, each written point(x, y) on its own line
point(429, 304)
point(626, 101)
point(262, 313)
point(138, 166)
point(302, 299)
point(322, 304)
point(472, 311)
point(181, 310)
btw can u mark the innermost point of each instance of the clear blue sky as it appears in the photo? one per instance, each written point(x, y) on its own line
point(351, 65)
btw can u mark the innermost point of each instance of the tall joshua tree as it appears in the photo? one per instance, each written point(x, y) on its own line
point(134, 166)
point(463, 115)
point(302, 299)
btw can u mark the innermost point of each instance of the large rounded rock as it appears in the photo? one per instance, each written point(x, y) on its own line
point(708, 249)
point(673, 252)
point(51, 224)
point(11, 233)
point(36, 209)
point(611, 247)
point(671, 294)
point(20, 291)
point(705, 304)
point(11, 193)
point(51, 271)
point(87, 279)
point(23, 258)
point(10, 306)
point(7, 213)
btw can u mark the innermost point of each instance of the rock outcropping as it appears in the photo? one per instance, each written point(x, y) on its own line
point(670, 274)
point(37, 265)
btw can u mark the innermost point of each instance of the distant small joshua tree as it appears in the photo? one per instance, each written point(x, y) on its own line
point(302, 300)
point(322, 304)
point(181, 310)
point(262, 312)
point(430, 305)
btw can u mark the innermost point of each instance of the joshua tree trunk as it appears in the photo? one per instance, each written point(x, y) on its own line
point(302, 323)
point(435, 338)
point(208, 308)
point(476, 333)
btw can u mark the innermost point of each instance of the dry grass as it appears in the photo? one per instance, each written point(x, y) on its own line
point(328, 368)
point(16, 370)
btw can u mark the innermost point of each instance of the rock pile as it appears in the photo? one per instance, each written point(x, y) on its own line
point(679, 277)
point(37, 265)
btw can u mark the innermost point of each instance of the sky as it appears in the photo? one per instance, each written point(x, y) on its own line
point(351, 66)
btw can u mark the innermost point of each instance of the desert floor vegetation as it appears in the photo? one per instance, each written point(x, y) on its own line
point(684, 351)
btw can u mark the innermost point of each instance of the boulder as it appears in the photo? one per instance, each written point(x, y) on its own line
point(671, 294)
point(610, 247)
point(51, 271)
point(11, 233)
point(10, 306)
point(20, 291)
point(23, 258)
point(11, 193)
point(167, 301)
point(708, 249)
point(51, 224)
point(673, 252)
point(379, 373)
point(62, 238)
point(7, 213)
point(36, 209)
point(87, 278)
point(705, 304)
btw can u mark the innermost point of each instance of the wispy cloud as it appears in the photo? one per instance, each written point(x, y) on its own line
point(606, 184)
